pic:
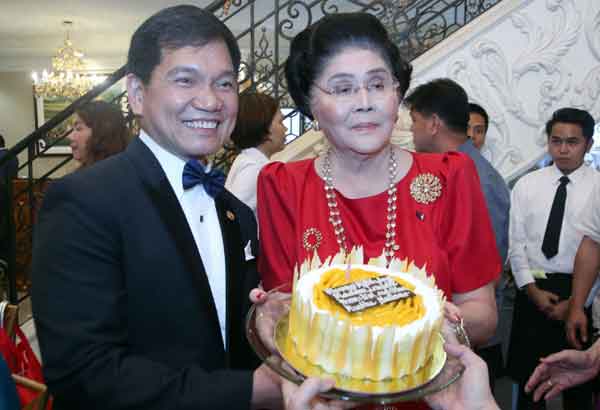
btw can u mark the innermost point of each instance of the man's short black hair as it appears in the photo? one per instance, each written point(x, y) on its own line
point(478, 109)
point(442, 97)
point(573, 116)
point(171, 29)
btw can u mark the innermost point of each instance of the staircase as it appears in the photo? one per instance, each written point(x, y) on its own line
point(415, 25)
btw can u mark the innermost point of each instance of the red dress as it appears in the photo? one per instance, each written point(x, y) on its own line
point(452, 236)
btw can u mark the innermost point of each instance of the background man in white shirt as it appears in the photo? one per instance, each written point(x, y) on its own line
point(545, 208)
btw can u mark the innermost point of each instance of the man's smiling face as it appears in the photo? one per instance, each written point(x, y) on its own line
point(190, 104)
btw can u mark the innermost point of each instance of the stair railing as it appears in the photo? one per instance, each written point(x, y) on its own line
point(415, 25)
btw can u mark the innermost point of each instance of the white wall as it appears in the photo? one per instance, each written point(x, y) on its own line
point(16, 106)
point(17, 120)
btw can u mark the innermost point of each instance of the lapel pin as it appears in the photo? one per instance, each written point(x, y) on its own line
point(230, 215)
point(420, 216)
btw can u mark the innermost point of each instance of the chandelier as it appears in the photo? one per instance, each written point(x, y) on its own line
point(67, 78)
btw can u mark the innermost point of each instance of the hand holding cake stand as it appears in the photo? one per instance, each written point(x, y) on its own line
point(268, 332)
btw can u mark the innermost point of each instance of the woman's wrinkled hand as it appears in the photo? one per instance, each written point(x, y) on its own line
point(270, 307)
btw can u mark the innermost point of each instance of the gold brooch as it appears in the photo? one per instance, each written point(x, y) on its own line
point(426, 188)
point(311, 239)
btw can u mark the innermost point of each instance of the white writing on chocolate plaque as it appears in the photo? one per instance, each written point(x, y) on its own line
point(366, 293)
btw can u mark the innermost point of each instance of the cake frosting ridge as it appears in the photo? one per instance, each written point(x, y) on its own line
point(390, 340)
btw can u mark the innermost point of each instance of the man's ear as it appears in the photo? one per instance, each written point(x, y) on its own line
point(590, 144)
point(135, 94)
point(434, 124)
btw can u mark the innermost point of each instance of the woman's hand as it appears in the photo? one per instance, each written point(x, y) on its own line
point(544, 300)
point(453, 322)
point(563, 370)
point(270, 307)
point(452, 312)
point(559, 311)
point(471, 391)
point(304, 397)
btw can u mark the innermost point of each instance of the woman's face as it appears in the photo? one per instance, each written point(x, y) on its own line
point(79, 138)
point(277, 132)
point(361, 122)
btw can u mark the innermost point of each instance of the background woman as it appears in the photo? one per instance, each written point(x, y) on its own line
point(346, 74)
point(259, 133)
point(99, 131)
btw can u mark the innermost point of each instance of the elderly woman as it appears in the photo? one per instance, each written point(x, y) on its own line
point(259, 133)
point(99, 131)
point(346, 74)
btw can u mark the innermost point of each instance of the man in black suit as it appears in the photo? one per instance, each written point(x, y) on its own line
point(140, 285)
point(8, 171)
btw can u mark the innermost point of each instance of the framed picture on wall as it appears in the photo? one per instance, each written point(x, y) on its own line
point(47, 108)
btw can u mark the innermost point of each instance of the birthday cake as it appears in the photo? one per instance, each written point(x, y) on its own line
point(365, 322)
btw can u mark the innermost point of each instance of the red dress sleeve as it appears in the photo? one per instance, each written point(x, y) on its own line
point(277, 218)
point(466, 229)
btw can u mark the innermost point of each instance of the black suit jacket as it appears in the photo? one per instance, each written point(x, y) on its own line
point(8, 170)
point(123, 308)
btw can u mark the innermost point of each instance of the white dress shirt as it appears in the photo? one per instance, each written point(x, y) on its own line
point(201, 214)
point(531, 202)
point(242, 177)
point(589, 223)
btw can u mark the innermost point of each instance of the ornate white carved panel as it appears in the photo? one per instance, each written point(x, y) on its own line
point(521, 60)
point(540, 56)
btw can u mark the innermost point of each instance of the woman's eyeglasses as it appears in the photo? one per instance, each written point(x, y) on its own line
point(377, 88)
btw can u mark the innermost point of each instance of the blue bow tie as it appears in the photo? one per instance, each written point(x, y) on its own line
point(194, 174)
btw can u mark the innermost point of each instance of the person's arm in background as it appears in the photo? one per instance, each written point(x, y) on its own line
point(563, 370)
point(478, 306)
point(468, 238)
point(585, 271)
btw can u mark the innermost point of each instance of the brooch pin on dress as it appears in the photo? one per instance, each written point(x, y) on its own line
point(311, 239)
point(426, 188)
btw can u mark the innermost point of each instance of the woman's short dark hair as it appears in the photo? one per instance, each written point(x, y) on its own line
point(110, 134)
point(171, 29)
point(313, 48)
point(255, 115)
point(573, 116)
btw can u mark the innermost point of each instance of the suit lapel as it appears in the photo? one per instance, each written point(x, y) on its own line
point(230, 230)
point(161, 195)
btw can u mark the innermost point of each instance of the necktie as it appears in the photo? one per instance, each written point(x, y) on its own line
point(552, 235)
point(194, 174)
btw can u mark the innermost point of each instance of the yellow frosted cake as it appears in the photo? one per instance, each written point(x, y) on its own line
point(365, 323)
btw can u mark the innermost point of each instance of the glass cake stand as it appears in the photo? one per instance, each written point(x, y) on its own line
point(279, 353)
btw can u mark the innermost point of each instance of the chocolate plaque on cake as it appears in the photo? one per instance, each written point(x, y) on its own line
point(366, 293)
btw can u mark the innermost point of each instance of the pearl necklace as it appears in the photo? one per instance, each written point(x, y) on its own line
point(335, 219)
